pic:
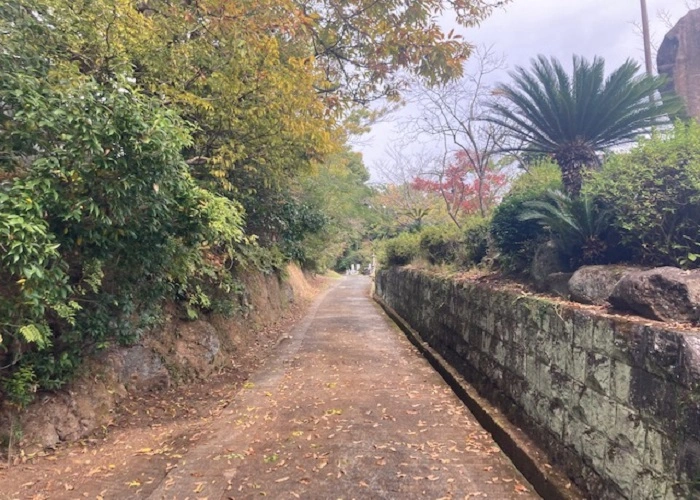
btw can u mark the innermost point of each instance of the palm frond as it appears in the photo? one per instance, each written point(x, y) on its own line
point(573, 224)
point(573, 116)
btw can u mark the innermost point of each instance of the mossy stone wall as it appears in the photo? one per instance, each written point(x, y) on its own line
point(615, 402)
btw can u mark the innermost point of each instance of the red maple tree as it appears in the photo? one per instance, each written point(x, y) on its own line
point(465, 188)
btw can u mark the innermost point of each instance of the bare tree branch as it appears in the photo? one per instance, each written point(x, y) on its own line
point(456, 112)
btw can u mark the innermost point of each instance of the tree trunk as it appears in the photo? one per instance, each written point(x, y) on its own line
point(573, 162)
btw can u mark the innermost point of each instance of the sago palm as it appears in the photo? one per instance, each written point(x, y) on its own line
point(577, 226)
point(572, 117)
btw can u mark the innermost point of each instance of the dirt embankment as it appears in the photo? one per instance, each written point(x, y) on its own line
point(162, 377)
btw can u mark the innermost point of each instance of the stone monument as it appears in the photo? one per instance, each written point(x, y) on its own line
point(679, 59)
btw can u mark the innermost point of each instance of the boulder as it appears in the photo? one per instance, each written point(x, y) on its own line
point(138, 367)
point(558, 284)
point(664, 293)
point(679, 59)
point(546, 261)
point(198, 349)
point(594, 284)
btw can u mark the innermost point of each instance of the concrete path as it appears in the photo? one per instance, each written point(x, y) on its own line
point(346, 409)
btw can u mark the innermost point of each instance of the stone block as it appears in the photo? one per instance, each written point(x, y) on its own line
point(583, 328)
point(577, 364)
point(486, 339)
point(544, 379)
point(620, 381)
point(688, 466)
point(688, 403)
point(500, 353)
point(568, 327)
point(555, 325)
point(540, 406)
point(655, 398)
point(529, 402)
point(555, 416)
point(690, 374)
point(603, 335)
point(594, 446)
point(490, 321)
point(599, 411)
point(474, 337)
point(652, 486)
point(515, 359)
point(665, 354)
point(514, 386)
point(516, 333)
point(598, 372)
point(658, 451)
point(623, 467)
point(560, 354)
point(531, 370)
point(630, 342)
point(492, 370)
point(574, 429)
point(629, 430)
point(565, 389)
point(528, 314)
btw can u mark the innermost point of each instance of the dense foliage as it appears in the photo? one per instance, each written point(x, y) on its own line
point(515, 240)
point(402, 249)
point(440, 244)
point(151, 150)
point(577, 226)
point(653, 194)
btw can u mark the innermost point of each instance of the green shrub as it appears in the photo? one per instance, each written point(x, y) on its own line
point(440, 244)
point(514, 239)
point(475, 241)
point(539, 179)
point(653, 193)
point(100, 222)
point(577, 226)
point(401, 250)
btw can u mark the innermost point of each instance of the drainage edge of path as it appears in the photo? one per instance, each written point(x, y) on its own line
point(527, 457)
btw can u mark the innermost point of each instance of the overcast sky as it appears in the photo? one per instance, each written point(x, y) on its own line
point(557, 28)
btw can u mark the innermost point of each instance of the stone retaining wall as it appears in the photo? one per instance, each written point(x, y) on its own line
point(615, 402)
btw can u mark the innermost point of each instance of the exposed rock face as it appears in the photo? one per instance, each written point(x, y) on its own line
point(198, 348)
point(138, 367)
point(664, 293)
point(679, 59)
point(594, 284)
point(179, 351)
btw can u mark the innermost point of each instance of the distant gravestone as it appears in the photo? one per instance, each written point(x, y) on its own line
point(679, 59)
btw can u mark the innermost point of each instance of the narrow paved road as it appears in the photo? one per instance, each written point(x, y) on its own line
point(346, 409)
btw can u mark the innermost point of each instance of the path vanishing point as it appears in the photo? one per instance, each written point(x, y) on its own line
point(345, 408)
